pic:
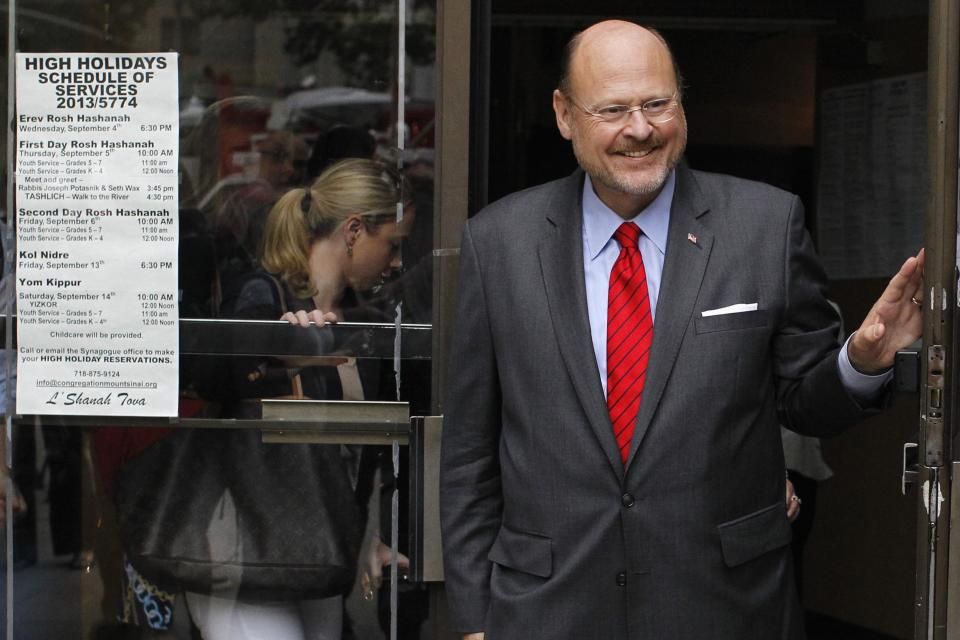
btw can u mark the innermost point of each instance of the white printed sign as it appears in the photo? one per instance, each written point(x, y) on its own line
point(97, 235)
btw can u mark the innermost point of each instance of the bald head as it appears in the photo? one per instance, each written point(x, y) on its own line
point(615, 69)
point(603, 39)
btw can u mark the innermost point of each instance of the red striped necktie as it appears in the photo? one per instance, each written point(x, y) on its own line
point(629, 336)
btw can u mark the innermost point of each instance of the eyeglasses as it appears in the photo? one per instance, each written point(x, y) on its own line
point(656, 111)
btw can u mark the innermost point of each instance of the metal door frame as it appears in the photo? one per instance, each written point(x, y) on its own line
point(451, 175)
point(936, 618)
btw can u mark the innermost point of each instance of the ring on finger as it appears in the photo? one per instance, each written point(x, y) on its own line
point(914, 300)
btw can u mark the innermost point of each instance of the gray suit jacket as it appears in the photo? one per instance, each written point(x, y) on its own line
point(546, 534)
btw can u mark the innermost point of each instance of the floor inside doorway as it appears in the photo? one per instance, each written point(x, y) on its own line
point(821, 627)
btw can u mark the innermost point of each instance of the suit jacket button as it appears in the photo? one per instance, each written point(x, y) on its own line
point(627, 500)
point(622, 579)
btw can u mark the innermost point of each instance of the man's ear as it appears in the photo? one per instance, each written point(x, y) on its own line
point(561, 108)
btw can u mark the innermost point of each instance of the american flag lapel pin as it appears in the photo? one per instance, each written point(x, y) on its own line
point(692, 238)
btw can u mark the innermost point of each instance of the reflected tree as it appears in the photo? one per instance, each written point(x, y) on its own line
point(68, 25)
point(361, 34)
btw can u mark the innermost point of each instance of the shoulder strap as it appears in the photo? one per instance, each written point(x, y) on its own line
point(278, 291)
point(295, 381)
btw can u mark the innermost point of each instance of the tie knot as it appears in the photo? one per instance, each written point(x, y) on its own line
point(627, 235)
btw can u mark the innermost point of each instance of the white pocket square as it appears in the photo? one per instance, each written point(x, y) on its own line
point(734, 308)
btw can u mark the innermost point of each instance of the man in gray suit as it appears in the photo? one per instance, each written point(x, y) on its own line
point(552, 529)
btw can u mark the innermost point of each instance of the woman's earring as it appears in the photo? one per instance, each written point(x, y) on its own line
point(349, 250)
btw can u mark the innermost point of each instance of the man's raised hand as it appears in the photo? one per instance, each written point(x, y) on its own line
point(894, 322)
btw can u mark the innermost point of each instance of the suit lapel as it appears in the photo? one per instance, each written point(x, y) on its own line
point(688, 249)
point(561, 264)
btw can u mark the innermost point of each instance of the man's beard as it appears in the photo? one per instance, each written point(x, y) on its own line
point(635, 184)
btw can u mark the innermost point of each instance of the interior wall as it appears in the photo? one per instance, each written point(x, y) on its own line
point(748, 89)
point(860, 558)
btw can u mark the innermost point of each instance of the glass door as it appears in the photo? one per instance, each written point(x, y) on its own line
point(302, 158)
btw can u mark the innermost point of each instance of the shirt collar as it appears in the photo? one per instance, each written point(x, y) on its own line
point(600, 221)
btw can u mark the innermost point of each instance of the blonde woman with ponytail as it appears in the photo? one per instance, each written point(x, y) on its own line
point(340, 232)
point(338, 235)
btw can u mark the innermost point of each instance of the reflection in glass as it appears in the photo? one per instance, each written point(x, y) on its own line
point(321, 245)
point(272, 94)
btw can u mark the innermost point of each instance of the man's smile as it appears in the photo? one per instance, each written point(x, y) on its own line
point(636, 153)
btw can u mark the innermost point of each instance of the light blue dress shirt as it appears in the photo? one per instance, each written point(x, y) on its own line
point(600, 251)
